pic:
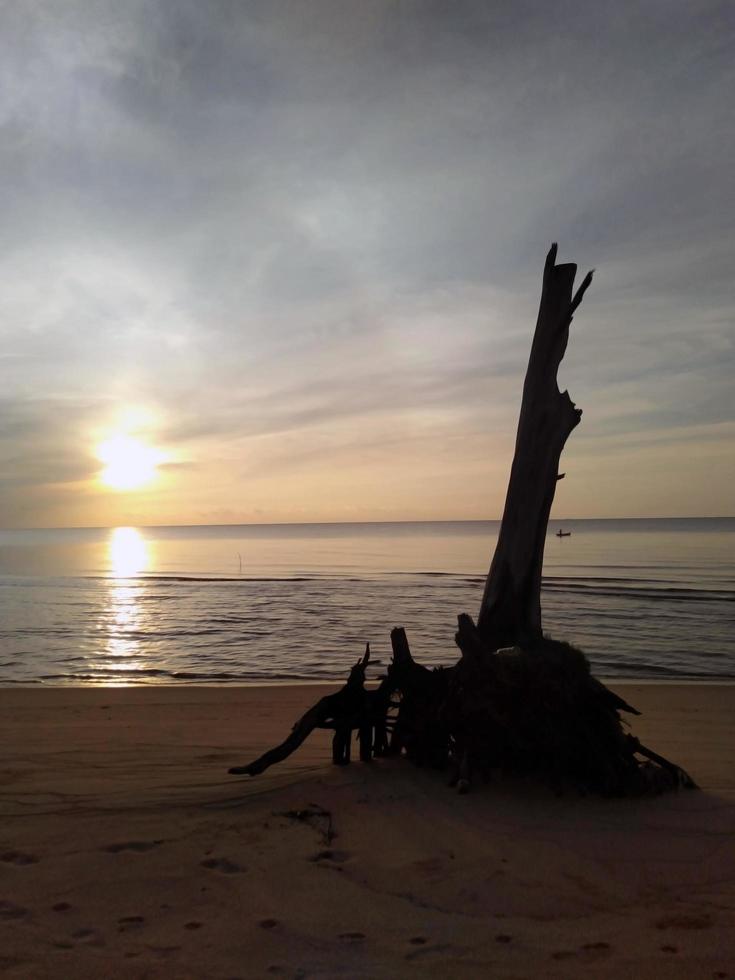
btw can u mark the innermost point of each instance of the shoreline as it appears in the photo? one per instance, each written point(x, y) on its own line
point(6, 685)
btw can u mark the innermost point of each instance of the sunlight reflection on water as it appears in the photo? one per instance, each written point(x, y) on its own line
point(129, 552)
point(122, 621)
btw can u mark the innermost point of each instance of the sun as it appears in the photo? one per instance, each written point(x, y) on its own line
point(129, 462)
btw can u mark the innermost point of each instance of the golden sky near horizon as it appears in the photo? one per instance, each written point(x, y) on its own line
point(282, 262)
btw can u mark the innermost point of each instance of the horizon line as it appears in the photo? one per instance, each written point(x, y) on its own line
point(457, 520)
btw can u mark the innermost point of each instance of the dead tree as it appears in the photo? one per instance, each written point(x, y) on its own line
point(536, 705)
point(511, 606)
point(516, 701)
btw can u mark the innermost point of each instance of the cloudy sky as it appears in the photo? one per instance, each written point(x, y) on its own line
point(297, 247)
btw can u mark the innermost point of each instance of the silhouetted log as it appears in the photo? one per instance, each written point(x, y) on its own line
point(374, 732)
point(675, 778)
point(511, 606)
point(314, 718)
point(419, 728)
point(540, 710)
point(344, 711)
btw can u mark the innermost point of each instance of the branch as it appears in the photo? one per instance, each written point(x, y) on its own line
point(579, 295)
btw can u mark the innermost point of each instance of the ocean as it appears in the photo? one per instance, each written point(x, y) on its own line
point(278, 603)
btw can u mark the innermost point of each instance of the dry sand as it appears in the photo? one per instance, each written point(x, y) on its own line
point(127, 851)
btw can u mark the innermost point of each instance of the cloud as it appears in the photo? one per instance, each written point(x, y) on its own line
point(283, 221)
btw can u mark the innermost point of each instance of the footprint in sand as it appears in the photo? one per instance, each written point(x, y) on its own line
point(334, 857)
point(10, 911)
point(90, 937)
point(595, 950)
point(316, 817)
point(164, 950)
point(440, 949)
point(685, 921)
point(132, 845)
point(223, 865)
point(129, 922)
point(18, 858)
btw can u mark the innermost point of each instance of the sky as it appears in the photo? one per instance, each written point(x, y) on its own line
point(295, 248)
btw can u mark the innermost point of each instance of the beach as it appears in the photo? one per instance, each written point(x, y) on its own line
point(127, 850)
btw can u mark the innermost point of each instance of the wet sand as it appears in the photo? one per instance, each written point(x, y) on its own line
point(126, 850)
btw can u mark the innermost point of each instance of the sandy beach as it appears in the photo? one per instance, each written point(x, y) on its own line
point(127, 851)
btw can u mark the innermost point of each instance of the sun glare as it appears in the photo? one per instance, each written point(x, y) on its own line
point(129, 463)
point(128, 552)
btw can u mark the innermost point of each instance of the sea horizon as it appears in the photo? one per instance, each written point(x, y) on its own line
point(417, 520)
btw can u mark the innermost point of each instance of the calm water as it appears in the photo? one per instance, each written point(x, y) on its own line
point(651, 598)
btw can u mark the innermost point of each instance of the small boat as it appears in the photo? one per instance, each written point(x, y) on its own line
point(563, 534)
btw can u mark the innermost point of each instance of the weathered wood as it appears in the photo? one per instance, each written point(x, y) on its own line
point(314, 718)
point(376, 727)
point(419, 729)
point(343, 712)
point(542, 711)
point(511, 606)
point(516, 701)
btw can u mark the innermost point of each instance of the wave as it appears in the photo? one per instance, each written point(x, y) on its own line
point(205, 629)
point(208, 578)
point(189, 675)
point(653, 593)
point(623, 585)
point(609, 669)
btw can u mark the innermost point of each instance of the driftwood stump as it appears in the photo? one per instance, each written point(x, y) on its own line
point(516, 701)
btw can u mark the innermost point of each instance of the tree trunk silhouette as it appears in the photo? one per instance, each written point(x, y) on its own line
point(511, 606)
